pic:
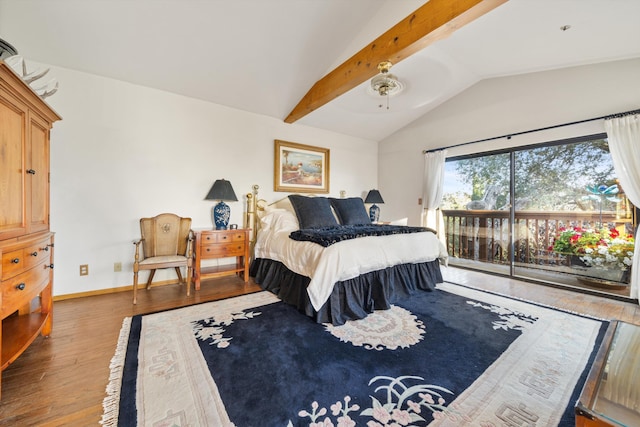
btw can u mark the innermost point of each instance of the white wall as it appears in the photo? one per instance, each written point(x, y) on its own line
point(123, 152)
point(501, 106)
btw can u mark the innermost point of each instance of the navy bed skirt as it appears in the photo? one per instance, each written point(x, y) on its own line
point(351, 299)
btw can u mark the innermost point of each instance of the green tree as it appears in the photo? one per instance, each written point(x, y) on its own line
point(547, 178)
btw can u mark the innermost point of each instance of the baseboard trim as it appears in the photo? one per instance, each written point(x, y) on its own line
point(128, 288)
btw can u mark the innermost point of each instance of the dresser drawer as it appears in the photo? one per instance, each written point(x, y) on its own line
point(19, 260)
point(13, 263)
point(37, 254)
point(222, 250)
point(222, 237)
point(22, 288)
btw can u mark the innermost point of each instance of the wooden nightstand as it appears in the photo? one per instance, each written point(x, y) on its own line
point(215, 244)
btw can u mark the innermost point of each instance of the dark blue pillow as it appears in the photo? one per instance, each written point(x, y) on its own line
point(312, 212)
point(351, 211)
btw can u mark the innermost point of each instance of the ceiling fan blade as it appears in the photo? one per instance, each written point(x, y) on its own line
point(435, 20)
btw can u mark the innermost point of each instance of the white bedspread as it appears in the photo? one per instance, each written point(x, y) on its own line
point(346, 259)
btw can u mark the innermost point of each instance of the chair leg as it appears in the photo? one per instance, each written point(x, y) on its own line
point(189, 277)
point(151, 274)
point(179, 273)
point(180, 279)
point(135, 286)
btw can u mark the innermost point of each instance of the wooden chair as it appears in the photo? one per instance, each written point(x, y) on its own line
point(166, 242)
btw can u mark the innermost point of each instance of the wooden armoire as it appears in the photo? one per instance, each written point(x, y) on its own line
point(26, 242)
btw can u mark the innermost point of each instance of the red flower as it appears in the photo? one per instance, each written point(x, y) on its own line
point(614, 233)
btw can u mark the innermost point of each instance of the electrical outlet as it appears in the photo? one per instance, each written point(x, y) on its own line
point(117, 266)
point(84, 269)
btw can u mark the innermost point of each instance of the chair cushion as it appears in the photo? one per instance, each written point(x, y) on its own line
point(172, 259)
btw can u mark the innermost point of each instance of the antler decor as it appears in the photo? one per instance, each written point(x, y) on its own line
point(9, 54)
point(18, 64)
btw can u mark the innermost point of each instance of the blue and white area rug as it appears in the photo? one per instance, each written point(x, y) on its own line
point(452, 357)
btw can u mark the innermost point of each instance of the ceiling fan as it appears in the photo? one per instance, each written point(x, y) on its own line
point(385, 83)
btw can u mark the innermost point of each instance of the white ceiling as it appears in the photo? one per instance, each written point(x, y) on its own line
point(262, 56)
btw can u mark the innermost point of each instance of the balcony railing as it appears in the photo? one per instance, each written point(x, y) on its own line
point(481, 235)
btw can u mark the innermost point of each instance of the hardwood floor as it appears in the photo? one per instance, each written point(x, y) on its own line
point(60, 381)
point(596, 306)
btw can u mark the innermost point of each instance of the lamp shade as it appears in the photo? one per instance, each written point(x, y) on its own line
point(221, 190)
point(374, 197)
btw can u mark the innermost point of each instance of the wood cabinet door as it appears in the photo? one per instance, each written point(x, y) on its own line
point(37, 177)
point(13, 116)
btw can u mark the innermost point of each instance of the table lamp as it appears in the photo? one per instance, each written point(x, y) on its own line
point(374, 211)
point(221, 190)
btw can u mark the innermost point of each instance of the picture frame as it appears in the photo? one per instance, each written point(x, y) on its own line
point(300, 168)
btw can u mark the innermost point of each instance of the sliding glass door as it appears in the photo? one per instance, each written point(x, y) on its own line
point(552, 212)
point(476, 211)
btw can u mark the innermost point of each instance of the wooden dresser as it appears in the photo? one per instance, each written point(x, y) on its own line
point(215, 244)
point(26, 243)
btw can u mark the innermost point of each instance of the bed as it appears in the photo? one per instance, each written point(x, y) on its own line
point(360, 267)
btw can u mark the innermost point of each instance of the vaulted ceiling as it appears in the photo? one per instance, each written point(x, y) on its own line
point(263, 56)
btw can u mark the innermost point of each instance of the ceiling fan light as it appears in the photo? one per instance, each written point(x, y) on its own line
point(386, 84)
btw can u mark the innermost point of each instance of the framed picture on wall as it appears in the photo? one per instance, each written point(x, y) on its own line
point(300, 168)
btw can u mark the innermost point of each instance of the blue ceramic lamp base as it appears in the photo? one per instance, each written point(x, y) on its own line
point(221, 214)
point(374, 213)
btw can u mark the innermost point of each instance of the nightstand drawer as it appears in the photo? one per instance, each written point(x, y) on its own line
point(223, 250)
point(24, 287)
point(223, 237)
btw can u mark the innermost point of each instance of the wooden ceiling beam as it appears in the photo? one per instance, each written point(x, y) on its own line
point(435, 20)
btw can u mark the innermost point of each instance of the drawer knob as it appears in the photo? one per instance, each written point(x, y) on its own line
point(48, 266)
point(34, 254)
point(31, 172)
point(21, 286)
point(15, 261)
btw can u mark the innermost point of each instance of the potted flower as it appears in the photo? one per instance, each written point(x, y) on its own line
point(604, 249)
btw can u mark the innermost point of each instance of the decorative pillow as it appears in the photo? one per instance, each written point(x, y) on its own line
point(313, 212)
point(351, 211)
point(279, 220)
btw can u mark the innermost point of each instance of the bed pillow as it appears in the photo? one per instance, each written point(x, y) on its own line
point(351, 211)
point(312, 212)
point(279, 220)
